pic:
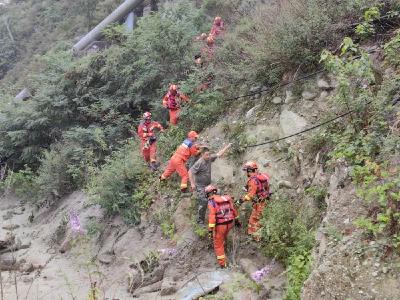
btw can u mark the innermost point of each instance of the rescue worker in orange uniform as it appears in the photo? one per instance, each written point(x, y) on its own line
point(218, 27)
point(258, 193)
point(172, 100)
point(207, 51)
point(201, 37)
point(148, 139)
point(177, 163)
point(221, 218)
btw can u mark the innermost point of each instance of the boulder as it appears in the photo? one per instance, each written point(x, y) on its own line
point(291, 122)
point(201, 285)
point(277, 100)
point(285, 184)
point(323, 96)
point(323, 84)
point(290, 98)
point(252, 111)
point(27, 267)
point(105, 258)
point(308, 95)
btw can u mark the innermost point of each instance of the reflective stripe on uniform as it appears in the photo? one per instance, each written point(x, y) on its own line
point(221, 257)
point(247, 197)
point(211, 225)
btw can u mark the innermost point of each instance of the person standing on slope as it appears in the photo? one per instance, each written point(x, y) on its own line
point(258, 193)
point(177, 163)
point(200, 177)
point(221, 218)
point(148, 139)
point(172, 101)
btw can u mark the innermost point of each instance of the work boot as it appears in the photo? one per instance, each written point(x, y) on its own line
point(153, 166)
point(224, 266)
point(184, 190)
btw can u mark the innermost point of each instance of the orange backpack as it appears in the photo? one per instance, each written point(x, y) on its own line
point(224, 208)
point(262, 181)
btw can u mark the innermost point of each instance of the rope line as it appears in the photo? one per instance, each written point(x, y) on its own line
point(303, 131)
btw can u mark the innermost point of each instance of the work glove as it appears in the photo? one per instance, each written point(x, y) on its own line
point(237, 223)
point(210, 235)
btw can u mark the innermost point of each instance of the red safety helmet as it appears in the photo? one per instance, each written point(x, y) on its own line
point(250, 165)
point(217, 20)
point(147, 115)
point(193, 134)
point(210, 189)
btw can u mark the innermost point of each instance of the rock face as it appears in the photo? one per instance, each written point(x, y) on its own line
point(291, 122)
point(341, 270)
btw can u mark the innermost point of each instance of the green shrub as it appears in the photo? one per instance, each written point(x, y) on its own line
point(285, 229)
point(22, 183)
point(288, 234)
point(319, 194)
point(270, 40)
point(299, 268)
point(168, 229)
point(119, 185)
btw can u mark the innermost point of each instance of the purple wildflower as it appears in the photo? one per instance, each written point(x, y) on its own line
point(258, 275)
point(75, 223)
point(168, 251)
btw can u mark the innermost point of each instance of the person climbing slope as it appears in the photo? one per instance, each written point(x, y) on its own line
point(148, 139)
point(207, 52)
point(200, 177)
point(177, 163)
point(172, 101)
point(258, 192)
point(218, 27)
point(221, 218)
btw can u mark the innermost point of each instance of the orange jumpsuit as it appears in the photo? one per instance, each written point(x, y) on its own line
point(258, 194)
point(221, 216)
point(177, 163)
point(145, 132)
point(172, 102)
point(217, 30)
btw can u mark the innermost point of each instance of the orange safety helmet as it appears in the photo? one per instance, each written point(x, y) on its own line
point(193, 135)
point(217, 20)
point(203, 36)
point(147, 115)
point(173, 87)
point(210, 40)
point(210, 189)
point(250, 165)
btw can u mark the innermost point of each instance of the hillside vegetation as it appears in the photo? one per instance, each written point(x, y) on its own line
point(76, 132)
